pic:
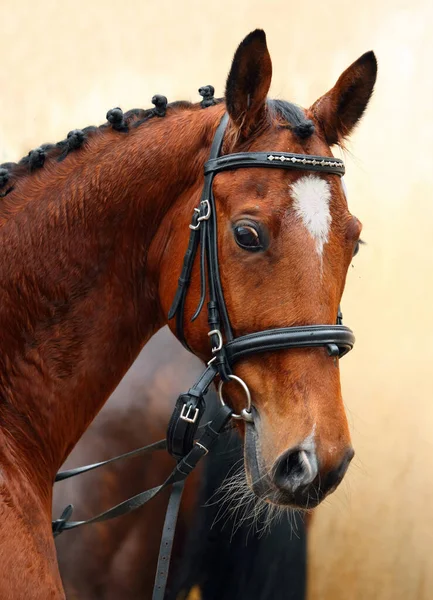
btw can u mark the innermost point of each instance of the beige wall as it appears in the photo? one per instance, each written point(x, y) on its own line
point(65, 63)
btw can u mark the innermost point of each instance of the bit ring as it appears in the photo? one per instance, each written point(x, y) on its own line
point(245, 414)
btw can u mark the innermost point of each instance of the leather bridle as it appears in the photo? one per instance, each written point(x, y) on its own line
point(226, 348)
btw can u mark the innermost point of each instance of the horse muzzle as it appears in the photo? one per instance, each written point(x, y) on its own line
point(296, 479)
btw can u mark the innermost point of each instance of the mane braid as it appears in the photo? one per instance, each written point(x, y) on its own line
point(116, 119)
point(291, 115)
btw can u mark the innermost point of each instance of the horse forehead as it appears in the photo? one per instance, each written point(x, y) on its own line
point(256, 184)
point(252, 183)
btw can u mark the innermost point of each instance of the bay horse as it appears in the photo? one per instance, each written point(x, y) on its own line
point(92, 232)
point(117, 559)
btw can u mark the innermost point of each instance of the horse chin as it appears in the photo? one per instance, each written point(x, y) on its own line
point(280, 499)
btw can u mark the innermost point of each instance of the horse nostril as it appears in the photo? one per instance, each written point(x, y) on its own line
point(295, 468)
point(336, 475)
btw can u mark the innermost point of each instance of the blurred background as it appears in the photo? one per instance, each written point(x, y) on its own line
point(66, 63)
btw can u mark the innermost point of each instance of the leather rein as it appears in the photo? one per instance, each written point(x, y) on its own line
point(184, 427)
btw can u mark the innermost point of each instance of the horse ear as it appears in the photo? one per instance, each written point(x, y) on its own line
point(341, 108)
point(249, 81)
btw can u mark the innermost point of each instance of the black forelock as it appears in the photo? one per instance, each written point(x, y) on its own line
point(293, 115)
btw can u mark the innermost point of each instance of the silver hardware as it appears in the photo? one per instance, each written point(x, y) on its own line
point(201, 446)
point(306, 161)
point(216, 332)
point(204, 217)
point(186, 411)
point(195, 227)
point(211, 361)
point(246, 414)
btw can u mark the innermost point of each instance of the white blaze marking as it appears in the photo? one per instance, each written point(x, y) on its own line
point(309, 443)
point(311, 197)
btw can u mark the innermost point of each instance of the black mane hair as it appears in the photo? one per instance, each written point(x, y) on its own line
point(291, 116)
point(76, 138)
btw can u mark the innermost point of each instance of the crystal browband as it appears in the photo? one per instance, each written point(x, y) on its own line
point(306, 161)
point(280, 160)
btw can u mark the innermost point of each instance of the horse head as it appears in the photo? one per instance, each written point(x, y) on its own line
point(285, 240)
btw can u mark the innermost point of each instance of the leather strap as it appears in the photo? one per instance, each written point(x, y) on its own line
point(167, 538)
point(218, 139)
point(203, 234)
point(160, 445)
point(308, 336)
point(177, 308)
point(186, 416)
point(210, 433)
point(183, 424)
point(275, 160)
point(63, 523)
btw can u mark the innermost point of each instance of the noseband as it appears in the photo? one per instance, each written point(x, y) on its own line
point(226, 349)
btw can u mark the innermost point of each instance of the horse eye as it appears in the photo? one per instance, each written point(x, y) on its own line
point(248, 237)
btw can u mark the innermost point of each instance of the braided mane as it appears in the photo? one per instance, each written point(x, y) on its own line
point(291, 115)
point(116, 119)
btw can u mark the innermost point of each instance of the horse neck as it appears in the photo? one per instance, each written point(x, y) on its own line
point(79, 294)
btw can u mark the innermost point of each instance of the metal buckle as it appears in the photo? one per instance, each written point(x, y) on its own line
point(216, 332)
point(204, 217)
point(201, 446)
point(185, 412)
point(195, 227)
point(246, 414)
